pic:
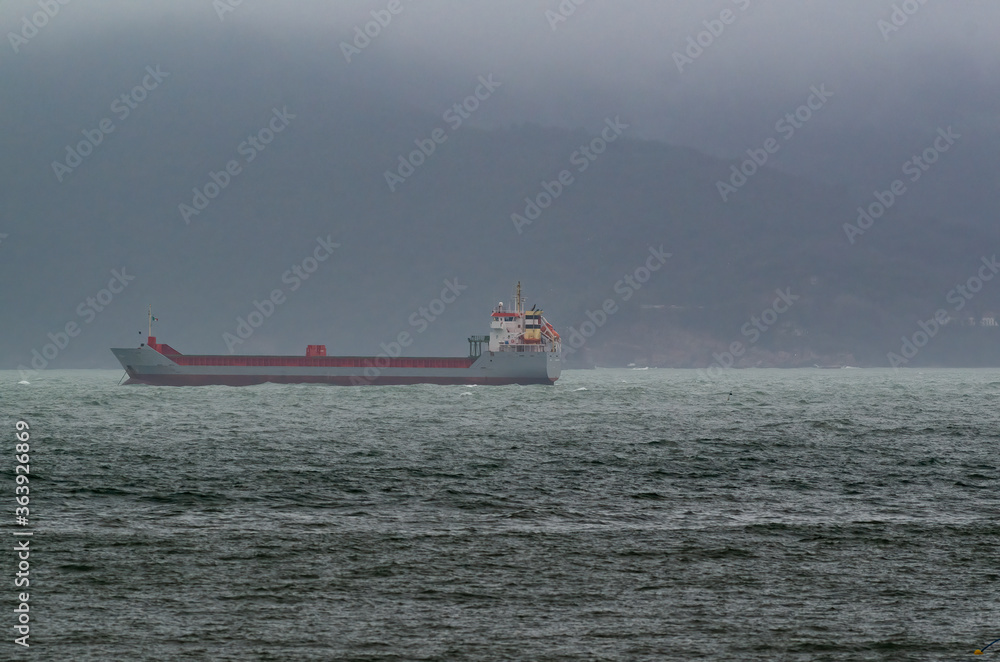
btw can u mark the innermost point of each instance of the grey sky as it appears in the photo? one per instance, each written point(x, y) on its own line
point(614, 55)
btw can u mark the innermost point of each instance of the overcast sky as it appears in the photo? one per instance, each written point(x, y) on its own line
point(612, 56)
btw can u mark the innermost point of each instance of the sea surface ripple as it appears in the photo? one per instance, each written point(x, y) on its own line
point(619, 515)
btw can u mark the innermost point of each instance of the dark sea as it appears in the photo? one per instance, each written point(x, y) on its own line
point(619, 515)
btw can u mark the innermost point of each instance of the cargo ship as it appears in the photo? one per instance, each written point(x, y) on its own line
point(522, 348)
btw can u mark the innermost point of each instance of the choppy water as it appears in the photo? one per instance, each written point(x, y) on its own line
point(620, 515)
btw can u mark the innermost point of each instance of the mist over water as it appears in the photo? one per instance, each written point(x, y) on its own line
point(621, 514)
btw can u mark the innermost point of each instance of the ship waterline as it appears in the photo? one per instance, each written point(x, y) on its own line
point(146, 365)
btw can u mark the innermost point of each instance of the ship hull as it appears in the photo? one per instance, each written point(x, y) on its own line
point(146, 365)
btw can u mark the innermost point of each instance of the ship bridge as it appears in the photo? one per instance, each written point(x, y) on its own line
point(520, 330)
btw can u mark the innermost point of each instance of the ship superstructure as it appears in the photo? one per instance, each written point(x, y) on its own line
point(519, 330)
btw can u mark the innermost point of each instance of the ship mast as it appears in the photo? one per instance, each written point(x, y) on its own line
point(150, 318)
point(519, 307)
